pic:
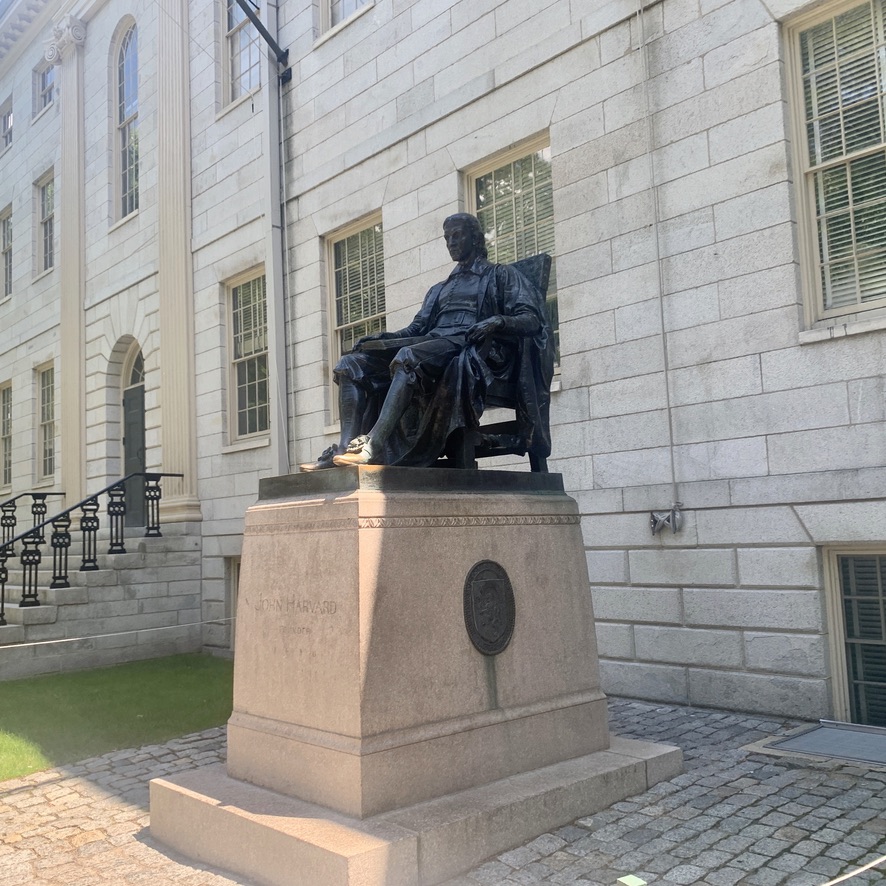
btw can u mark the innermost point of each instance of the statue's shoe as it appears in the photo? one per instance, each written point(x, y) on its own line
point(323, 462)
point(352, 458)
point(359, 452)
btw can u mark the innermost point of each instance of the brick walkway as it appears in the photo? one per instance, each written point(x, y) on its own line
point(733, 817)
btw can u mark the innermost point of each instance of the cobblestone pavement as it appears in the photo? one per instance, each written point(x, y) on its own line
point(734, 817)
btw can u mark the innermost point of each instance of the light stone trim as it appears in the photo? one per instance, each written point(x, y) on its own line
point(404, 737)
point(413, 523)
point(67, 53)
point(175, 274)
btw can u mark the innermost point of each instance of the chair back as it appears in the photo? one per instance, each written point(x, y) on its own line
point(536, 269)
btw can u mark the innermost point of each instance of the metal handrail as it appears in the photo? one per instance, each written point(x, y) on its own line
point(60, 539)
point(8, 519)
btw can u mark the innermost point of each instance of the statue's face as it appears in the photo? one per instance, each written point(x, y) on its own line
point(460, 242)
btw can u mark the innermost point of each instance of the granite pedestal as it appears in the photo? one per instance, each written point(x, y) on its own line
point(371, 742)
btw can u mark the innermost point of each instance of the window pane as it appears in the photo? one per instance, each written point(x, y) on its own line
point(359, 278)
point(861, 587)
point(249, 326)
point(515, 205)
point(843, 65)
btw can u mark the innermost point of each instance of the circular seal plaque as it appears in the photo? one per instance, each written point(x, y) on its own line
point(489, 607)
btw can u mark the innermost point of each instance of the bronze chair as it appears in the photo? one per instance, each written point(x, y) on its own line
point(466, 445)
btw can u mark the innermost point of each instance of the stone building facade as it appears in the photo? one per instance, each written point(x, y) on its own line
point(708, 176)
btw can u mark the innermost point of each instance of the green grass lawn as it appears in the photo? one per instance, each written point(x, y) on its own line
point(48, 721)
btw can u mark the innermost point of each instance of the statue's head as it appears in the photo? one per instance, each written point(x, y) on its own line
point(473, 234)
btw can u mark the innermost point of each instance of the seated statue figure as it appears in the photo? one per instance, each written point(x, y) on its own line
point(402, 393)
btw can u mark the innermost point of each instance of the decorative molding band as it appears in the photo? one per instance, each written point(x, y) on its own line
point(412, 523)
point(67, 34)
point(485, 520)
point(298, 526)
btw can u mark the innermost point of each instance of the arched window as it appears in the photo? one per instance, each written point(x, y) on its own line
point(127, 120)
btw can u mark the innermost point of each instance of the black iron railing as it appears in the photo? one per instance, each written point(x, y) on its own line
point(33, 539)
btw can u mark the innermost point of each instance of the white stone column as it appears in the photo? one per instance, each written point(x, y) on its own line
point(175, 276)
point(66, 51)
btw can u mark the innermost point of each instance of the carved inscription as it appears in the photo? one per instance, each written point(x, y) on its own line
point(294, 605)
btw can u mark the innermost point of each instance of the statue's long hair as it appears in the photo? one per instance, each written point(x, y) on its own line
point(473, 224)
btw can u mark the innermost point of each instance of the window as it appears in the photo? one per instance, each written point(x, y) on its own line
point(243, 54)
point(44, 87)
point(6, 124)
point(862, 579)
point(45, 224)
point(127, 121)
point(249, 327)
point(46, 425)
point(514, 200)
point(840, 80)
point(6, 251)
point(6, 435)
point(358, 284)
point(339, 10)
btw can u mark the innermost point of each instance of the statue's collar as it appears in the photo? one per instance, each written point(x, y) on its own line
point(478, 266)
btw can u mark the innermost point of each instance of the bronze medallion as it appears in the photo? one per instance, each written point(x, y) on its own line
point(489, 607)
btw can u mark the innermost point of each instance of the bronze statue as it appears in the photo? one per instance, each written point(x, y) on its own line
point(402, 393)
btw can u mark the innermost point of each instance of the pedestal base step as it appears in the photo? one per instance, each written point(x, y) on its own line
point(281, 841)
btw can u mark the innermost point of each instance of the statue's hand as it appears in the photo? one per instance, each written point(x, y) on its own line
point(484, 329)
point(375, 336)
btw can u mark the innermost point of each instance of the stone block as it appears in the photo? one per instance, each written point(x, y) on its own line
point(754, 211)
point(806, 699)
point(683, 233)
point(265, 835)
point(622, 433)
point(779, 567)
point(746, 53)
point(860, 446)
point(607, 567)
point(647, 681)
point(638, 394)
point(762, 414)
point(721, 460)
point(722, 380)
point(615, 640)
point(750, 526)
point(847, 359)
point(642, 467)
point(688, 566)
point(826, 485)
point(637, 604)
point(685, 646)
point(867, 400)
point(844, 521)
point(803, 654)
point(762, 610)
point(717, 105)
point(763, 290)
point(748, 132)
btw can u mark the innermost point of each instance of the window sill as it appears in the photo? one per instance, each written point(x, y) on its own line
point(246, 445)
point(44, 483)
point(43, 111)
point(121, 222)
point(842, 330)
point(43, 274)
point(5, 150)
point(233, 105)
point(328, 35)
point(5, 300)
